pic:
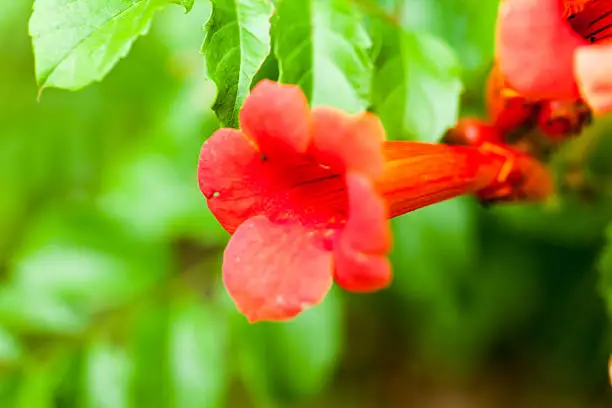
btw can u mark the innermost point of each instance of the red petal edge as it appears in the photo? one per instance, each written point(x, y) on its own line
point(360, 252)
point(277, 118)
point(348, 142)
point(274, 271)
point(223, 177)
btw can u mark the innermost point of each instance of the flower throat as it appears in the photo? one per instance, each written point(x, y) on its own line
point(591, 19)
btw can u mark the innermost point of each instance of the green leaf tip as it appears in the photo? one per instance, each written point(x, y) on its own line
point(323, 46)
point(78, 42)
point(236, 45)
point(188, 4)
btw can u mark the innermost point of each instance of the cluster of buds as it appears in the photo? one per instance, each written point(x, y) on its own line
point(515, 126)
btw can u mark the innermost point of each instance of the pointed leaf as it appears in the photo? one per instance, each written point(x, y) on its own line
point(237, 44)
point(79, 42)
point(417, 85)
point(323, 46)
point(188, 4)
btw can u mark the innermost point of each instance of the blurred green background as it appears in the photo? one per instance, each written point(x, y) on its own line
point(110, 291)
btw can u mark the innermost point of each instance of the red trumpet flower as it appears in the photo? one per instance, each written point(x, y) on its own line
point(557, 49)
point(307, 194)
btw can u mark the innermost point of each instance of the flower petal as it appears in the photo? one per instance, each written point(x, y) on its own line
point(348, 142)
point(239, 184)
point(571, 7)
point(277, 118)
point(274, 271)
point(535, 48)
point(593, 67)
point(360, 251)
point(226, 160)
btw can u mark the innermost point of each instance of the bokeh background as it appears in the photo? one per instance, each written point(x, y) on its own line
point(110, 291)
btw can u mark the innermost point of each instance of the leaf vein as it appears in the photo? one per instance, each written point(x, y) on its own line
point(115, 16)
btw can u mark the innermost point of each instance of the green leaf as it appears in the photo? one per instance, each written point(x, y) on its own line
point(323, 46)
point(79, 42)
point(293, 360)
point(466, 25)
point(236, 45)
point(106, 376)
point(188, 4)
point(416, 86)
point(197, 345)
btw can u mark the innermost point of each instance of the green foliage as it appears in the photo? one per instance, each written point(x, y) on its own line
point(36, 387)
point(188, 4)
point(416, 85)
point(106, 375)
point(10, 349)
point(77, 43)
point(322, 46)
point(605, 267)
point(147, 340)
point(197, 346)
point(111, 292)
point(237, 43)
point(466, 288)
point(287, 362)
point(453, 20)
